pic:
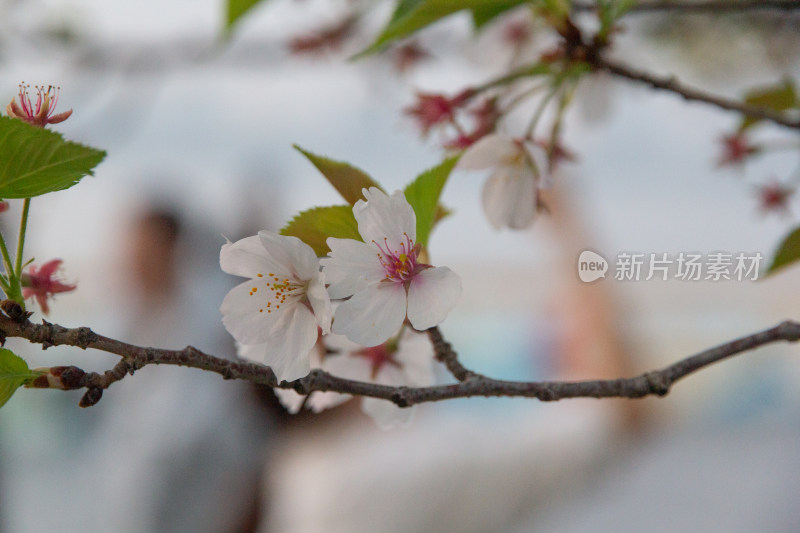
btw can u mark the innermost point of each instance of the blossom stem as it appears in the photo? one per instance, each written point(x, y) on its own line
point(23, 226)
point(526, 71)
point(539, 111)
point(12, 289)
point(521, 97)
point(563, 102)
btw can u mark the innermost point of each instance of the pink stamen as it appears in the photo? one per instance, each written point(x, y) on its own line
point(399, 265)
point(43, 112)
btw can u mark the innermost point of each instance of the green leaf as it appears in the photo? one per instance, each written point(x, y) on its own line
point(778, 97)
point(345, 178)
point(314, 226)
point(412, 15)
point(788, 252)
point(14, 373)
point(483, 14)
point(35, 161)
point(423, 194)
point(609, 11)
point(236, 9)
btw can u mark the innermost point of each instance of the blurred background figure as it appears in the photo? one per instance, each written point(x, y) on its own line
point(182, 450)
point(173, 449)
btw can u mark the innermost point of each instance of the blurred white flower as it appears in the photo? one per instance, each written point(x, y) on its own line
point(510, 196)
point(383, 276)
point(275, 314)
point(406, 362)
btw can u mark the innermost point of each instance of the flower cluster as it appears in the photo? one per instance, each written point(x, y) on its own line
point(277, 315)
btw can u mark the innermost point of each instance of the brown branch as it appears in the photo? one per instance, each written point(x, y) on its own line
point(656, 383)
point(707, 6)
point(448, 357)
point(671, 84)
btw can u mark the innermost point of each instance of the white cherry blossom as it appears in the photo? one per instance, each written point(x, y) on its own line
point(383, 276)
point(274, 315)
point(510, 195)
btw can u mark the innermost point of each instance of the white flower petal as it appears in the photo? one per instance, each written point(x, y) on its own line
point(246, 257)
point(386, 414)
point(490, 151)
point(320, 302)
point(415, 354)
point(431, 295)
point(291, 253)
point(290, 400)
point(385, 217)
point(287, 347)
point(372, 315)
point(509, 198)
point(243, 316)
point(351, 267)
point(319, 401)
point(350, 366)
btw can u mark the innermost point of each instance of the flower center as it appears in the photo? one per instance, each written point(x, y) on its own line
point(277, 291)
point(399, 265)
point(378, 357)
point(46, 100)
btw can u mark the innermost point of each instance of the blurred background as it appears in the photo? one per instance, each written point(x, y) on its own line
point(199, 131)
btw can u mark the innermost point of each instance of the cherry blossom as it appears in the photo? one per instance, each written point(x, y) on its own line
point(383, 275)
point(408, 55)
point(510, 196)
point(736, 148)
point(40, 114)
point(433, 109)
point(405, 362)
point(280, 307)
point(41, 283)
point(774, 197)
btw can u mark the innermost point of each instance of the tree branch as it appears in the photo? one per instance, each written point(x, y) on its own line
point(669, 83)
point(448, 357)
point(471, 384)
point(707, 6)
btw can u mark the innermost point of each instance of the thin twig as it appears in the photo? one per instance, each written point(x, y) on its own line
point(671, 84)
point(448, 357)
point(708, 6)
point(656, 383)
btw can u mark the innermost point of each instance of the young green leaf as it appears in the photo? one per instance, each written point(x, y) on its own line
point(778, 97)
point(14, 373)
point(483, 14)
point(35, 161)
point(314, 226)
point(236, 9)
point(345, 178)
point(411, 16)
point(788, 252)
point(423, 194)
